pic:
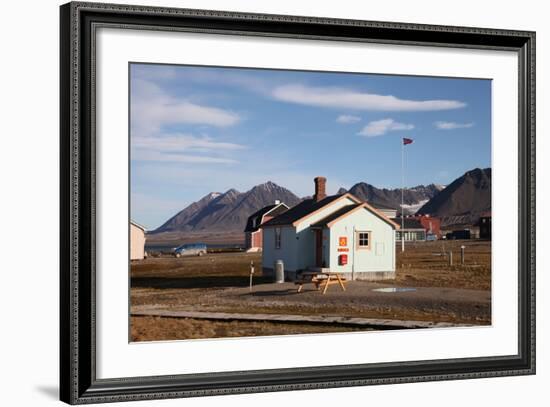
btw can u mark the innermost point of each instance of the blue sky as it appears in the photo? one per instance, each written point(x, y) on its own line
point(195, 130)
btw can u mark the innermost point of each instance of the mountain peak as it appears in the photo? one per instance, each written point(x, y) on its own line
point(469, 194)
point(228, 211)
point(266, 185)
point(213, 195)
point(230, 192)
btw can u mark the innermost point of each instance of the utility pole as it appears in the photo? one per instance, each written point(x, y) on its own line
point(402, 190)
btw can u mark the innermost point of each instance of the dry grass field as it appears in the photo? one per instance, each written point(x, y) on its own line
point(422, 264)
point(218, 282)
point(162, 328)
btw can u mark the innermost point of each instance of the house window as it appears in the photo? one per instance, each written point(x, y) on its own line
point(277, 238)
point(363, 240)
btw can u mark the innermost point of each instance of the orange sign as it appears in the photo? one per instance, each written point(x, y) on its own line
point(343, 249)
point(342, 241)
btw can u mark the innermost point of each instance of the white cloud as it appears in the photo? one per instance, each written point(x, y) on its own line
point(183, 142)
point(348, 119)
point(157, 156)
point(341, 98)
point(183, 148)
point(381, 127)
point(152, 108)
point(452, 125)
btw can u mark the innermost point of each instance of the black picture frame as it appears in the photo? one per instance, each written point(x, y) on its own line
point(78, 382)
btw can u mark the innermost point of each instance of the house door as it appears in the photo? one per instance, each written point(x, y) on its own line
point(319, 248)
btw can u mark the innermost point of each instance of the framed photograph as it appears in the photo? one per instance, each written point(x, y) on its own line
point(256, 203)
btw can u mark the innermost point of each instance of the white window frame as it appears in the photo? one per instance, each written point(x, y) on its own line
point(359, 246)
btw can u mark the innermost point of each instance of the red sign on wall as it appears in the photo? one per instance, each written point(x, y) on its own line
point(342, 241)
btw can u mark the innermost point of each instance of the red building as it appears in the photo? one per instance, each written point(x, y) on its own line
point(253, 230)
point(431, 225)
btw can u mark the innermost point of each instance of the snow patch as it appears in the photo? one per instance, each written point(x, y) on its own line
point(413, 208)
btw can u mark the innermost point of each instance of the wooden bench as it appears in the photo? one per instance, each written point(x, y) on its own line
point(321, 280)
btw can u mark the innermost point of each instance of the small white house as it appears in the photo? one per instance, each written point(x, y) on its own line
point(137, 241)
point(338, 233)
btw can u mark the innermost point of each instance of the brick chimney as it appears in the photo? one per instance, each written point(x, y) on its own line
point(320, 188)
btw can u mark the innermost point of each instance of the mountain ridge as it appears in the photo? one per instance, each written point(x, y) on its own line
point(228, 211)
point(467, 197)
point(391, 198)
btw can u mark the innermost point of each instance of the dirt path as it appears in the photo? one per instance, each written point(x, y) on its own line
point(435, 304)
point(374, 323)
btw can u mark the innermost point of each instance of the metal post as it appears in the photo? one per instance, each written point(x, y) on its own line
point(251, 273)
point(402, 188)
point(353, 254)
point(451, 258)
point(462, 254)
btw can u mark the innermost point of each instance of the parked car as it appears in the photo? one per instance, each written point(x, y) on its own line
point(430, 237)
point(190, 249)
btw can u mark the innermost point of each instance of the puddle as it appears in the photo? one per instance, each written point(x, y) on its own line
point(394, 289)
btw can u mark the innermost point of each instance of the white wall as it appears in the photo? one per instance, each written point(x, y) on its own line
point(29, 168)
point(287, 251)
point(363, 260)
point(306, 238)
point(137, 243)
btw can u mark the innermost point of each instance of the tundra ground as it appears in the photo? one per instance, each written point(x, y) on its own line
point(219, 282)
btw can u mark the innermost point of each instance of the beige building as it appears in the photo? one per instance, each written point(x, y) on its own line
point(137, 241)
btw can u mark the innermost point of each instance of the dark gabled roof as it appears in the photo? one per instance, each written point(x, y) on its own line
point(334, 215)
point(254, 221)
point(409, 223)
point(297, 212)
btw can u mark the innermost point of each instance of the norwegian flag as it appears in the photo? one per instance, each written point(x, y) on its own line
point(407, 141)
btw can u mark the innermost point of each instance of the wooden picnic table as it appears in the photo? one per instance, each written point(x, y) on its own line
point(321, 280)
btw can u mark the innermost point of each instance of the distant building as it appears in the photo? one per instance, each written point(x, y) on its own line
point(412, 229)
point(432, 225)
point(484, 224)
point(419, 228)
point(388, 212)
point(253, 231)
point(337, 233)
point(137, 241)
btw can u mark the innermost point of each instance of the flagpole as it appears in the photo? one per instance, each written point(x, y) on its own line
point(402, 189)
